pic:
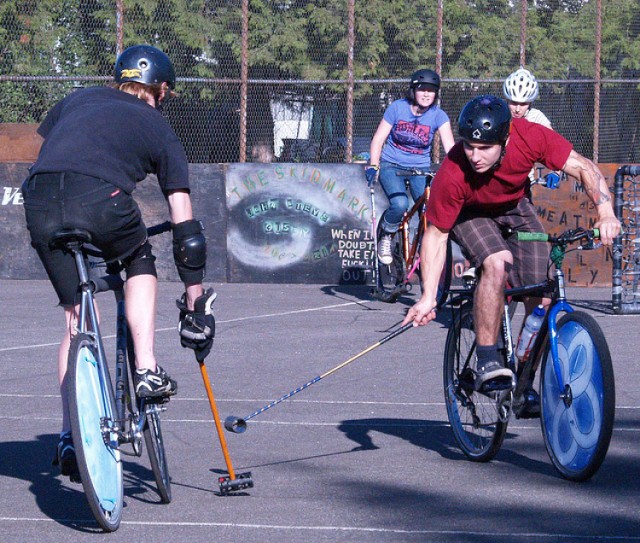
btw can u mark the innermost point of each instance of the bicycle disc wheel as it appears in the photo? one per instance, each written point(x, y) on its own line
point(97, 455)
point(577, 417)
point(390, 277)
point(475, 423)
point(155, 448)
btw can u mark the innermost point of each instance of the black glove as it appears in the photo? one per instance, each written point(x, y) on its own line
point(197, 328)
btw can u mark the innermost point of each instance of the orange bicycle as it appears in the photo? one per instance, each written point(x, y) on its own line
point(394, 279)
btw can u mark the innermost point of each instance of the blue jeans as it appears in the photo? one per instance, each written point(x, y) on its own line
point(395, 189)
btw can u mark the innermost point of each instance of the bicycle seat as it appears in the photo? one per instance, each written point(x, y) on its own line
point(61, 239)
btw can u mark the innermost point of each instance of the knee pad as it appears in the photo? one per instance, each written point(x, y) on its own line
point(141, 262)
point(190, 251)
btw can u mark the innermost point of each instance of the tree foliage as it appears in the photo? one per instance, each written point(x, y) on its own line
point(305, 39)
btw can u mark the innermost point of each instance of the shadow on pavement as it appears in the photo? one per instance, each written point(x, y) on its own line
point(58, 498)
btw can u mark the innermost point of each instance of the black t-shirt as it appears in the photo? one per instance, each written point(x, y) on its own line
point(109, 134)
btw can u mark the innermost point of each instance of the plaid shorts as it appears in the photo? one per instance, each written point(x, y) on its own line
point(481, 236)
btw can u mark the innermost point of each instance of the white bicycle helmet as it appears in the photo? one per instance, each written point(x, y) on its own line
point(520, 86)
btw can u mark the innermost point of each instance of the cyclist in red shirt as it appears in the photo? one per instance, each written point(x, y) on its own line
point(480, 189)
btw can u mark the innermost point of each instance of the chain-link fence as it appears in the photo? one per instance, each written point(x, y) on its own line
point(309, 81)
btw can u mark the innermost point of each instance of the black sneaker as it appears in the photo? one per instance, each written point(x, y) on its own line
point(492, 376)
point(156, 384)
point(65, 457)
point(530, 404)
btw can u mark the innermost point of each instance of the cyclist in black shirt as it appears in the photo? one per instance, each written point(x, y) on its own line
point(98, 143)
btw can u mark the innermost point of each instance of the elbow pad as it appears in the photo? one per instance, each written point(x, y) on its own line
point(190, 251)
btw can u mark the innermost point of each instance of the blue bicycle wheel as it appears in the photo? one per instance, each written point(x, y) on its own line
point(577, 414)
point(96, 451)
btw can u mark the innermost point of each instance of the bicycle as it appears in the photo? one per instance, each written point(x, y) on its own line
point(577, 391)
point(393, 280)
point(104, 417)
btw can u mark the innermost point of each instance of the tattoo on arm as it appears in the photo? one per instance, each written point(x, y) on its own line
point(592, 179)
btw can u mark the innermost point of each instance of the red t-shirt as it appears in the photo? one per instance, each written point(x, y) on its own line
point(456, 186)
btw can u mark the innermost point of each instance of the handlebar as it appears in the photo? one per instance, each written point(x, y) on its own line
point(159, 229)
point(568, 236)
point(415, 172)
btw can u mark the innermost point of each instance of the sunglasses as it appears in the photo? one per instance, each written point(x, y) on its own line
point(426, 87)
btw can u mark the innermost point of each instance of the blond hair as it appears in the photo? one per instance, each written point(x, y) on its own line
point(142, 91)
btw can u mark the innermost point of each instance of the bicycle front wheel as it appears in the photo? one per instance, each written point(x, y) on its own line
point(155, 449)
point(577, 416)
point(96, 451)
point(477, 427)
point(390, 277)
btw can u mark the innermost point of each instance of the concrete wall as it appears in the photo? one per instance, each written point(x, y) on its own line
point(275, 222)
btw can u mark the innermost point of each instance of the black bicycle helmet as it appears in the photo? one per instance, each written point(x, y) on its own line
point(144, 64)
point(426, 77)
point(485, 119)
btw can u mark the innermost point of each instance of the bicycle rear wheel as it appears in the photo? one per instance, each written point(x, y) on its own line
point(577, 417)
point(155, 448)
point(477, 427)
point(96, 452)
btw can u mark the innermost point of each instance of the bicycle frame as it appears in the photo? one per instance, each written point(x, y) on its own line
point(410, 247)
point(120, 399)
point(88, 323)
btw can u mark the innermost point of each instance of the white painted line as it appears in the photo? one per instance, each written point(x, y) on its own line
point(239, 319)
point(466, 534)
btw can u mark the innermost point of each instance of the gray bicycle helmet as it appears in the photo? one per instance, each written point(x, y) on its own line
point(485, 119)
point(425, 77)
point(144, 64)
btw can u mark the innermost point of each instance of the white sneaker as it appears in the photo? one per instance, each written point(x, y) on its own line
point(384, 249)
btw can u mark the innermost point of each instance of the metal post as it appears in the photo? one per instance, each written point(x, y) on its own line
point(119, 26)
point(244, 76)
point(596, 94)
point(439, 26)
point(351, 38)
point(523, 32)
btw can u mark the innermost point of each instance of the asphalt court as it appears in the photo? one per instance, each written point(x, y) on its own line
point(363, 455)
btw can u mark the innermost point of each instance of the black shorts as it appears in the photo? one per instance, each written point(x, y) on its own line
point(482, 236)
point(69, 200)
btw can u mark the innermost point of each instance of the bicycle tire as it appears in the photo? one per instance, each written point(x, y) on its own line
point(99, 463)
point(474, 418)
point(390, 277)
point(151, 431)
point(577, 432)
point(157, 456)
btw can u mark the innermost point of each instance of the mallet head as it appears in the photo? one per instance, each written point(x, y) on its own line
point(235, 424)
point(242, 481)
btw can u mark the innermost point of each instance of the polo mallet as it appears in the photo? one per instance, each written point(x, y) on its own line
point(238, 425)
point(374, 235)
point(233, 481)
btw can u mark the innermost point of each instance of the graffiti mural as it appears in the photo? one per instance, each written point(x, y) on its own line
point(299, 223)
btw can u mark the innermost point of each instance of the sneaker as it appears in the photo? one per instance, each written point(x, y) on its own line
point(492, 376)
point(530, 404)
point(469, 277)
point(156, 384)
point(65, 457)
point(384, 249)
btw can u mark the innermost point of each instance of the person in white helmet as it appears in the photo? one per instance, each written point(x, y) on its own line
point(520, 90)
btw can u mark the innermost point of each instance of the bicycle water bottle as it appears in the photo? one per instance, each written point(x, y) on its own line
point(531, 328)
